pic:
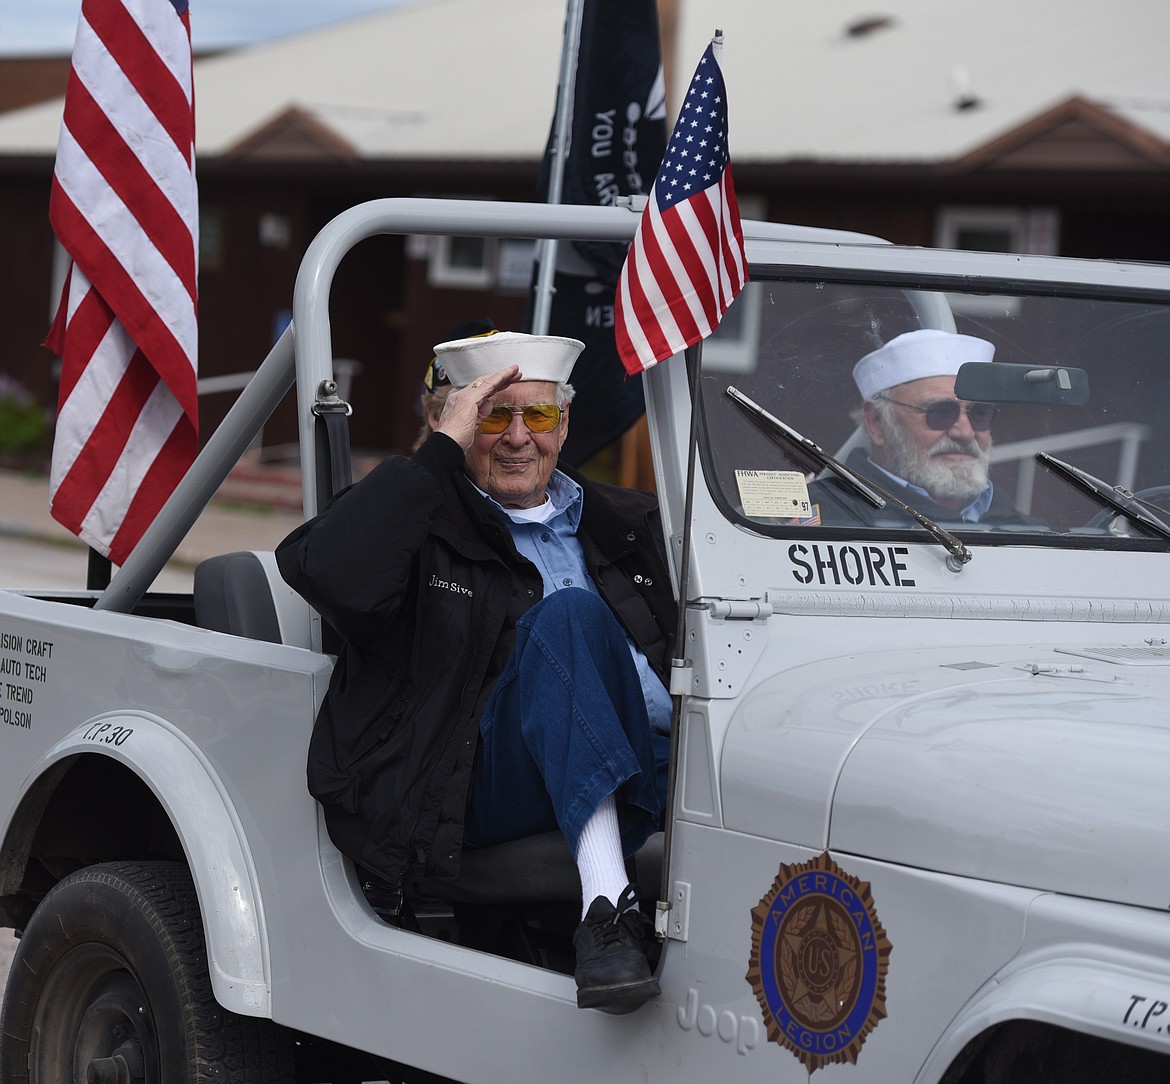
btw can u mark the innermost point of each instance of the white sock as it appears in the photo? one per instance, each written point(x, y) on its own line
point(599, 856)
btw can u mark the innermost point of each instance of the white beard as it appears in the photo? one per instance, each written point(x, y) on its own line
point(946, 482)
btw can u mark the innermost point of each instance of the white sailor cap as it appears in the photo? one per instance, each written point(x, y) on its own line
point(540, 357)
point(915, 355)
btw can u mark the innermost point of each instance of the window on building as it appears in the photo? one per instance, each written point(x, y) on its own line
point(462, 262)
point(1034, 230)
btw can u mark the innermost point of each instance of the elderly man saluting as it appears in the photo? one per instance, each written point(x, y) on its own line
point(926, 447)
point(507, 631)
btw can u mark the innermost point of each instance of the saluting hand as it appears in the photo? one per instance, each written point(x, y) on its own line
point(466, 407)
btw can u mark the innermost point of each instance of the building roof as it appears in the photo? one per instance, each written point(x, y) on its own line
point(930, 80)
point(903, 82)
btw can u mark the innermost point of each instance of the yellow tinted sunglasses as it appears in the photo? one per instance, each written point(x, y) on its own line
point(539, 417)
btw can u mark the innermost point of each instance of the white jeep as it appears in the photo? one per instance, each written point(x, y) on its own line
point(920, 825)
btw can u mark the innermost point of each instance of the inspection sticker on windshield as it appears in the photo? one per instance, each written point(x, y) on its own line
point(773, 493)
point(818, 962)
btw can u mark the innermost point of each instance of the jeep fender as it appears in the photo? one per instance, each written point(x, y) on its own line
point(1109, 989)
point(190, 791)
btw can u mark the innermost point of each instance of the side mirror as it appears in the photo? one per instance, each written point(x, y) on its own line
point(999, 382)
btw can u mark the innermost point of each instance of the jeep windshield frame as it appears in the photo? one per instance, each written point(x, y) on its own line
point(791, 339)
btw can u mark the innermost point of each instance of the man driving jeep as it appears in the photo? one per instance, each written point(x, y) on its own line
point(926, 447)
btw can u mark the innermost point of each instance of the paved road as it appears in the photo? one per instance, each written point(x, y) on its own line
point(25, 524)
point(28, 562)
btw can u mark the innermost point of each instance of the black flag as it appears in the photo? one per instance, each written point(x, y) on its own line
point(617, 140)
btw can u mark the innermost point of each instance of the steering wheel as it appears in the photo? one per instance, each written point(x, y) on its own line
point(1107, 516)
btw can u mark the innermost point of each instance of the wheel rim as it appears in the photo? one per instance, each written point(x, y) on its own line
point(93, 1023)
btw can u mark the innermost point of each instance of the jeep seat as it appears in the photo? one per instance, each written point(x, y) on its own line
point(536, 869)
point(242, 593)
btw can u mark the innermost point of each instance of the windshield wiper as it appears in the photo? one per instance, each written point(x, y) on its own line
point(870, 491)
point(1118, 498)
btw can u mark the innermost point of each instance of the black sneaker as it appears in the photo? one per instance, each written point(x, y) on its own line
point(612, 971)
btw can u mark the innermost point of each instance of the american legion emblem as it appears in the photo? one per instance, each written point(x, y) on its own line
point(819, 961)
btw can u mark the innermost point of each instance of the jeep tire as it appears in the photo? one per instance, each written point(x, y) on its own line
point(109, 985)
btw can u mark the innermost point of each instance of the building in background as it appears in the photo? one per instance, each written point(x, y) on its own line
point(1039, 127)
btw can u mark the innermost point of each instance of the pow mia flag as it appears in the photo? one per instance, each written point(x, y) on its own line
point(617, 140)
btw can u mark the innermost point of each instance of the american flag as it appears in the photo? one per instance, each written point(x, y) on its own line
point(124, 207)
point(687, 263)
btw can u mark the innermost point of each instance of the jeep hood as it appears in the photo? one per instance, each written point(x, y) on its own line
point(1037, 768)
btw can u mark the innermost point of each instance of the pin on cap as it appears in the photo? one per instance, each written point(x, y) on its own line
point(435, 376)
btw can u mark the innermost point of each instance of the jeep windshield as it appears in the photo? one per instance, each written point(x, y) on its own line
point(1079, 380)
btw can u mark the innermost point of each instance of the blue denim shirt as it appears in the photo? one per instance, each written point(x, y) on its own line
point(547, 536)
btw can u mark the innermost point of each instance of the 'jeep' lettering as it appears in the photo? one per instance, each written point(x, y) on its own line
point(874, 566)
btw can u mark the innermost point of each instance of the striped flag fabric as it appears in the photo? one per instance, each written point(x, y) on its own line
point(687, 262)
point(124, 207)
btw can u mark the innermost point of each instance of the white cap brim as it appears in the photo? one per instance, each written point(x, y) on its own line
point(540, 357)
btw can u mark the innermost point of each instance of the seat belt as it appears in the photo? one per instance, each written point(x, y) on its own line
point(334, 467)
point(331, 439)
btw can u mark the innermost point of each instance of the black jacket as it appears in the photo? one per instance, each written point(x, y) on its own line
point(418, 574)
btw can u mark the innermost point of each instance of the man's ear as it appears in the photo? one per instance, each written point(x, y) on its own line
point(564, 424)
point(873, 424)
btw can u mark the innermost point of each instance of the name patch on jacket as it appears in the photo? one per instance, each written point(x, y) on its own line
point(447, 585)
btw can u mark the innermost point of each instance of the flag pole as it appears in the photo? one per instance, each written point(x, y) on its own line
point(650, 324)
point(562, 127)
point(680, 665)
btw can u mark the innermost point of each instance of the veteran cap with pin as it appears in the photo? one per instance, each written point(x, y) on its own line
point(435, 376)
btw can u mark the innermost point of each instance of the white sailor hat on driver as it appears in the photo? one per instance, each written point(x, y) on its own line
point(915, 355)
point(540, 357)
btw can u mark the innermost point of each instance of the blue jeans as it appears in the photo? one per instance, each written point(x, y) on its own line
point(564, 727)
